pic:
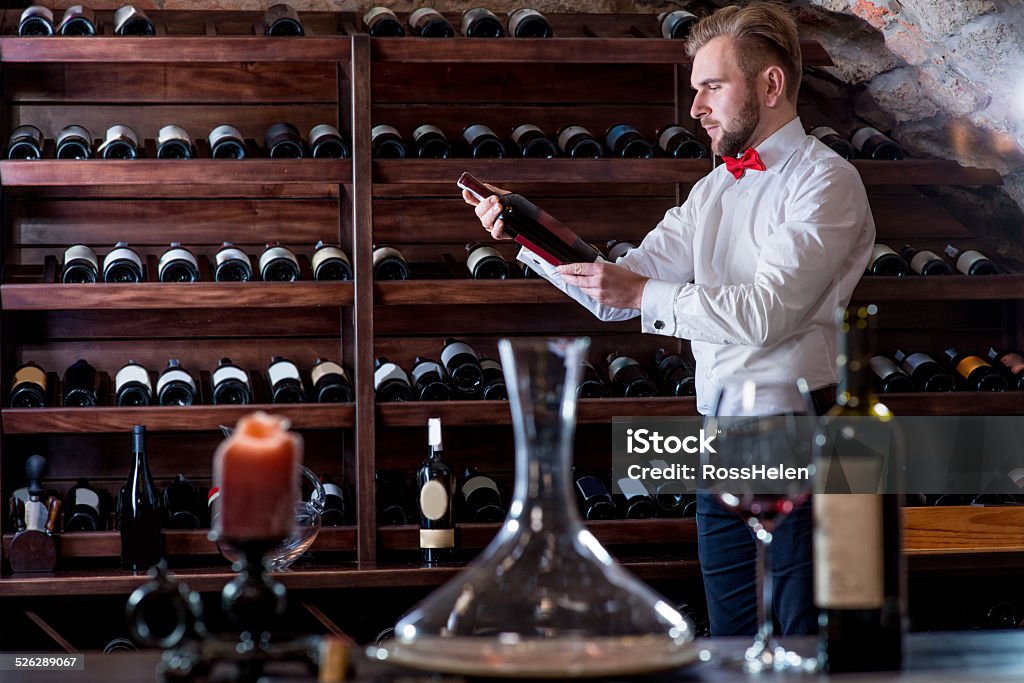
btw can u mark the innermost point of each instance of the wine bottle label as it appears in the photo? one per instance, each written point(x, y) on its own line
point(969, 364)
point(123, 15)
point(620, 362)
point(922, 259)
point(37, 18)
point(521, 15)
point(327, 367)
point(372, 15)
point(31, 374)
point(967, 259)
point(488, 364)
point(384, 129)
point(28, 133)
point(122, 133)
point(121, 254)
point(389, 371)
point(883, 366)
point(36, 515)
point(821, 131)
point(224, 133)
point(1013, 362)
point(481, 253)
point(131, 373)
point(912, 362)
point(232, 253)
point(81, 251)
point(862, 135)
point(325, 253)
point(848, 560)
point(521, 130)
point(174, 375)
point(666, 135)
point(437, 538)
point(226, 372)
point(619, 249)
point(424, 129)
point(282, 370)
point(434, 500)
point(74, 132)
point(454, 349)
point(173, 132)
point(176, 254)
point(475, 131)
point(419, 18)
point(332, 489)
point(569, 132)
point(633, 488)
point(477, 482)
point(425, 367)
point(274, 253)
point(323, 130)
point(381, 253)
point(87, 497)
point(880, 250)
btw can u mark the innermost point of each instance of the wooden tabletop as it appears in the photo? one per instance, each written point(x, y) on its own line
point(973, 656)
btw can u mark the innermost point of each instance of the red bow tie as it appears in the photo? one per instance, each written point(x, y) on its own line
point(750, 159)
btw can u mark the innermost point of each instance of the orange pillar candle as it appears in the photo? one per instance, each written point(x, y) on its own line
point(257, 470)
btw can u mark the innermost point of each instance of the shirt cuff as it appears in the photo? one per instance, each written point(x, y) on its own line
point(657, 308)
point(537, 263)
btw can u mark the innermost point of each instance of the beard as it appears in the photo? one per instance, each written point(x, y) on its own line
point(737, 131)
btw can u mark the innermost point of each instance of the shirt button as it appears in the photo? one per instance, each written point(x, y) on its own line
point(659, 325)
point(708, 374)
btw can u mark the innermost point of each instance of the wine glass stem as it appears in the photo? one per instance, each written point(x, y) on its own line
point(765, 608)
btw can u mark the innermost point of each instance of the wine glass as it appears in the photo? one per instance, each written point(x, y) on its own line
point(771, 425)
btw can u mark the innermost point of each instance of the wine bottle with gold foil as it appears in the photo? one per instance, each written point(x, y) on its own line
point(436, 484)
point(1012, 364)
point(974, 373)
point(28, 390)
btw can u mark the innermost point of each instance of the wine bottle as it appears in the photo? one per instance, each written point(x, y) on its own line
point(35, 21)
point(283, 141)
point(282, 21)
point(77, 20)
point(429, 379)
point(81, 266)
point(891, 378)
point(132, 387)
point(389, 264)
point(677, 142)
point(1012, 364)
point(483, 142)
point(231, 384)
point(181, 504)
point(591, 383)
point(677, 373)
point(28, 389)
point(174, 142)
point(430, 142)
point(494, 388)
point(637, 502)
point(140, 513)
point(122, 264)
point(330, 263)
point(594, 500)
point(279, 264)
point(676, 25)
point(480, 22)
point(175, 386)
point(486, 263)
point(232, 264)
point(858, 568)
point(82, 509)
point(81, 385)
point(331, 383)
point(927, 374)
point(178, 264)
point(386, 143)
point(534, 228)
point(885, 261)
point(392, 507)
point(628, 378)
point(532, 142)
point(381, 22)
point(872, 144)
point(120, 142)
point(973, 372)
point(335, 507)
point(129, 21)
point(436, 484)
point(526, 22)
point(971, 262)
point(670, 503)
point(834, 141)
point(25, 144)
point(579, 143)
point(390, 382)
point(285, 381)
point(226, 142)
point(625, 141)
point(326, 142)
point(481, 498)
point(463, 368)
point(925, 262)
point(427, 22)
point(74, 142)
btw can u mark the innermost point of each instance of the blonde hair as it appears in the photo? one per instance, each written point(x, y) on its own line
point(765, 35)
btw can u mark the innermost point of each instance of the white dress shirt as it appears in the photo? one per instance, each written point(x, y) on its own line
point(751, 270)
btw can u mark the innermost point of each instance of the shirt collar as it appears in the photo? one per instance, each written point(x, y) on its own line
point(778, 147)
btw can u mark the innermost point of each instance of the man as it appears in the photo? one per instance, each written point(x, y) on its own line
point(750, 268)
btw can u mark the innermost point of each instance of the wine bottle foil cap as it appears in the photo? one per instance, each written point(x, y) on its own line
point(173, 132)
point(81, 251)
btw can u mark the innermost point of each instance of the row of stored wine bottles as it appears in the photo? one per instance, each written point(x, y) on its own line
point(885, 261)
point(1002, 370)
point(281, 141)
point(276, 263)
point(464, 374)
point(83, 386)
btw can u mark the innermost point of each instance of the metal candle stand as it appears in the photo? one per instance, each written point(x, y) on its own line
point(164, 613)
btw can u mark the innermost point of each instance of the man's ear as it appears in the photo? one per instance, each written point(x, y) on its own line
point(774, 81)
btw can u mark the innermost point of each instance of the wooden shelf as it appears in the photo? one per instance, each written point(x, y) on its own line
point(963, 529)
point(956, 403)
point(159, 295)
point(165, 418)
point(225, 173)
point(177, 49)
point(925, 172)
point(498, 171)
point(954, 287)
point(558, 50)
point(492, 413)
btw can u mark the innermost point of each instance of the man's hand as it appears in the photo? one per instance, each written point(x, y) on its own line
point(606, 283)
point(488, 211)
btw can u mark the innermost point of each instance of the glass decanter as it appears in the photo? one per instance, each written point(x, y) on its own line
point(544, 599)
